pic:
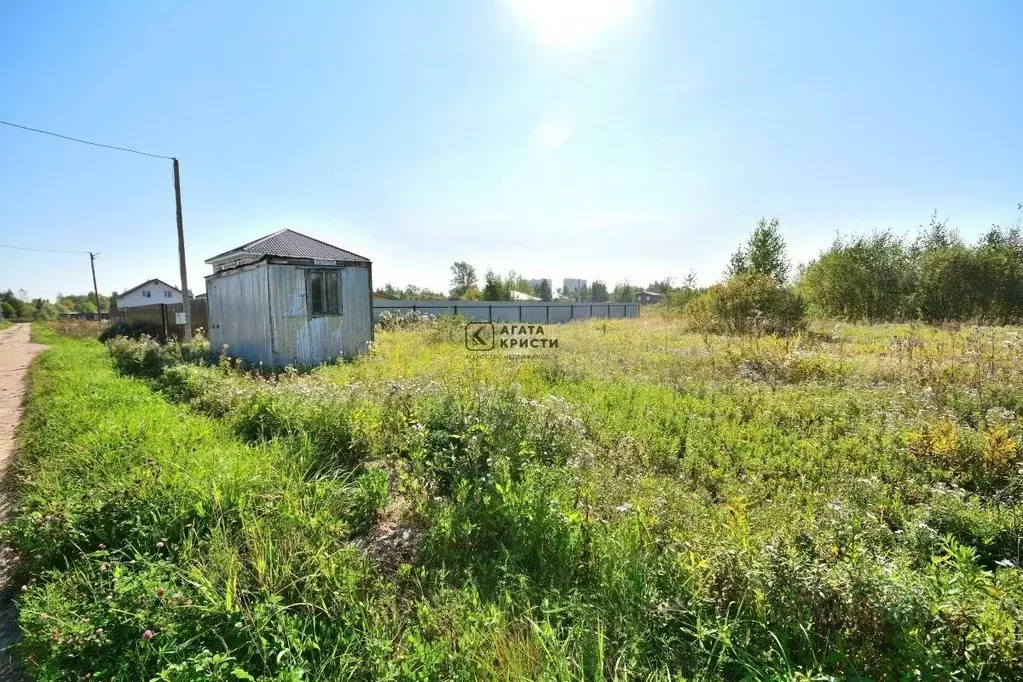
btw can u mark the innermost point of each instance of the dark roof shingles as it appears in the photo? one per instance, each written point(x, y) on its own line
point(291, 244)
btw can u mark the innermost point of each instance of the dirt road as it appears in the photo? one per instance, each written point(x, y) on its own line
point(16, 352)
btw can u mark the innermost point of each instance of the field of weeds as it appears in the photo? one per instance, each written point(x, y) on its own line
point(640, 504)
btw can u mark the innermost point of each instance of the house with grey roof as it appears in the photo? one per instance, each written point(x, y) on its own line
point(290, 299)
point(150, 292)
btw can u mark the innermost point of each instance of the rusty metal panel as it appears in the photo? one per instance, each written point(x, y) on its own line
point(239, 314)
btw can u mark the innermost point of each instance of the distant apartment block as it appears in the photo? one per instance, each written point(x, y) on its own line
point(571, 286)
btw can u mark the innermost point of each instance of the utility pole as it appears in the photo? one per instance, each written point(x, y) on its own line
point(95, 289)
point(186, 298)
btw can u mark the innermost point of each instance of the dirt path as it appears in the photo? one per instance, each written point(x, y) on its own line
point(16, 352)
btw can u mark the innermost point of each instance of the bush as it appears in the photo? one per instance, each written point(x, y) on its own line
point(391, 320)
point(130, 330)
point(142, 358)
point(865, 278)
point(146, 357)
point(748, 304)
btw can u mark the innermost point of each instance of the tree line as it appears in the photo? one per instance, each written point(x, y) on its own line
point(934, 277)
point(466, 285)
point(20, 306)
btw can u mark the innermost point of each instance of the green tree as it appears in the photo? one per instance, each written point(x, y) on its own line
point(544, 290)
point(747, 304)
point(495, 287)
point(624, 292)
point(598, 292)
point(678, 297)
point(662, 286)
point(15, 302)
point(463, 278)
point(763, 254)
point(869, 278)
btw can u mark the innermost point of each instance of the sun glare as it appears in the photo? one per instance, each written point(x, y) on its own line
point(570, 22)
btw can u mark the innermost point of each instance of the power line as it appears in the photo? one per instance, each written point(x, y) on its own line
point(25, 248)
point(94, 144)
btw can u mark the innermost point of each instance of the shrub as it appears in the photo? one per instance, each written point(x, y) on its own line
point(130, 330)
point(141, 358)
point(747, 304)
point(867, 278)
point(390, 320)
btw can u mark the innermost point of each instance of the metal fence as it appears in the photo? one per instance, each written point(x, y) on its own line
point(510, 311)
point(160, 320)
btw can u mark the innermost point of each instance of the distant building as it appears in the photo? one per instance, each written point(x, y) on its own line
point(572, 286)
point(649, 297)
point(290, 299)
point(150, 292)
point(519, 296)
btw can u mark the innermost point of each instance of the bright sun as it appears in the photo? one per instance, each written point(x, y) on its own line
point(570, 22)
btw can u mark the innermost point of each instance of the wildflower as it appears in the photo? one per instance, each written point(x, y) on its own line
point(24, 588)
point(102, 568)
point(176, 596)
point(160, 592)
point(624, 507)
point(99, 631)
point(160, 545)
point(102, 546)
point(147, 635)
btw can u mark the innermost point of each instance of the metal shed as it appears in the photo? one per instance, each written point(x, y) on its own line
point(289, 299)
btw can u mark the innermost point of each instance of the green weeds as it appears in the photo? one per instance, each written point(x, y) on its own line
point(843, 503)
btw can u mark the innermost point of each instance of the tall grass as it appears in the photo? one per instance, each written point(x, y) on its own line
point(646, 504)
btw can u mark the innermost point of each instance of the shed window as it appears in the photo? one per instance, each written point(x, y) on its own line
point(323, 292)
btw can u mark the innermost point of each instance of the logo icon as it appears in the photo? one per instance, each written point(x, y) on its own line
point(479, 336)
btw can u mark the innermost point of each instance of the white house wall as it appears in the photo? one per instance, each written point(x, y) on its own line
point(136, 298)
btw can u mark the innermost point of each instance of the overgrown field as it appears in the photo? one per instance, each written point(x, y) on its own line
point(638, 504)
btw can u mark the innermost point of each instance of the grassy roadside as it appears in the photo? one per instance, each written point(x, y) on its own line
point(133, 521)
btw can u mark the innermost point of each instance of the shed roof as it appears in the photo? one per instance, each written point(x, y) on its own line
point(290, 244)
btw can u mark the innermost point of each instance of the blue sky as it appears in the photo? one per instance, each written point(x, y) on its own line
point(605, 139)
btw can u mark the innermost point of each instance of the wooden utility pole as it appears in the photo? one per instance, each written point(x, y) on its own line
point(95, 289)
point(186, 298)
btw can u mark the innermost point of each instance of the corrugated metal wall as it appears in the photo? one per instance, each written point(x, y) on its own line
point(240, 315)
point(511, 311)
point(357, 322)
point(261, 314)
point(298, 338)
point(303, 340)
